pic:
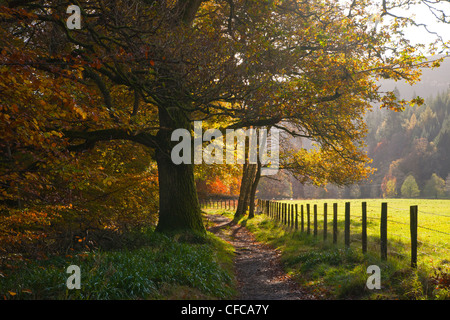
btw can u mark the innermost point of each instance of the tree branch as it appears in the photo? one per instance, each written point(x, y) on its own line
point(92, 137)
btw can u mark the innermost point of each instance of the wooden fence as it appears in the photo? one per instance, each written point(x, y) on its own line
point(226, 204)
point(306, 219)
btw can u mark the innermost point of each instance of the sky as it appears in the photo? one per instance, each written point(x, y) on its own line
point(423, 15)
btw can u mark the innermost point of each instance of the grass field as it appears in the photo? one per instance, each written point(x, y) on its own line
point(433, 224)
point(334, 271)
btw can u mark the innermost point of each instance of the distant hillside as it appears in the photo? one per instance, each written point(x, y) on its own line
point(433, 82)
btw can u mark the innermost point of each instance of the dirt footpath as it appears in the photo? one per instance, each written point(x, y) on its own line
point(259, 272)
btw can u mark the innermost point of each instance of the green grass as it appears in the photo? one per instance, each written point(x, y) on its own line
point(433, 222)
point(332, 271)
point(162, 267)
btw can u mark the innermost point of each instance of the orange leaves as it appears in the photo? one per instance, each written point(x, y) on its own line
point(21, 218)
point(96, 64)
point(217, 187)
point(22, 226)
point(16, 13)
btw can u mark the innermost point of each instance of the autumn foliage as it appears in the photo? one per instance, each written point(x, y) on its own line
point(86, 115)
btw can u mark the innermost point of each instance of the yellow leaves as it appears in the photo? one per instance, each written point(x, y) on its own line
point(80, 112)
point(108, 181)
point(56, 133)
point(14, 108)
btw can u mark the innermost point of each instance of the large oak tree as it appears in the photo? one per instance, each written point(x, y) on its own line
point(139, 69)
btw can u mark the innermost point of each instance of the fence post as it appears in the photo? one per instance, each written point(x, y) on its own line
point(278, 212)
point(275, 211)
point(302, 220)
point(275, 216)
point(315, 220)
point(383, 231)
point(281, 213)
point(288, 213)
point(347, 224)
point(285, 213)
point(325, 221)
point(413, 226)
point(308, 228)
point(296, 216)
point(272, 209)
point(292, 216)
point(364, 227)
point(335, 226)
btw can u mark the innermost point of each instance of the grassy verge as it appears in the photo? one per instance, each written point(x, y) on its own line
point(433, 221)
point(336, 272)
point(159, 267)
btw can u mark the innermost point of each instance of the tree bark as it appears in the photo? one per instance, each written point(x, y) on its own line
point(251, 210)
point(247, 195)
point(241, 209)
point(179, 208)
point(249, 174)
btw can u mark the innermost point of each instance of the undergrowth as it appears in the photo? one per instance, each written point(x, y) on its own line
point(152, 266)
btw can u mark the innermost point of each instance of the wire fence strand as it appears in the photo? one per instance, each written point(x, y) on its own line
point(373, 216)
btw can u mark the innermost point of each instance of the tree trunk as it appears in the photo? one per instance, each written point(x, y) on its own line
point(254, 180)
point(245, 194)
point(251, 210)
point(241, 207)
point(179, 208)
point(250, 178)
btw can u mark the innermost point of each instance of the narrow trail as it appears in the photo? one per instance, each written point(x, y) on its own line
point(259, 272)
